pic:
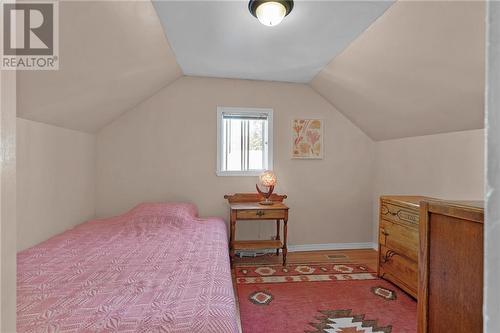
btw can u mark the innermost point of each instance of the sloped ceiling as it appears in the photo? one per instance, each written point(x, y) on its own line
point(113, 55)
point(222, 39)
point(418, 70)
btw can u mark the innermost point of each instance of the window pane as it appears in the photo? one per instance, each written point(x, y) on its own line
point(233, 142)
point(256, 138)
point(244, 145)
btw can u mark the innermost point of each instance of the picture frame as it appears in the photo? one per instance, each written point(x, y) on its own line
point(307, 138)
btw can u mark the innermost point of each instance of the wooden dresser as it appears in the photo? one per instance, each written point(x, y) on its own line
point(398, 241)
point(450, 295)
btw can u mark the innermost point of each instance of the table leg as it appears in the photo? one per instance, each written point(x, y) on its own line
point(232, 225)
point(277, 235)
point(285, 250)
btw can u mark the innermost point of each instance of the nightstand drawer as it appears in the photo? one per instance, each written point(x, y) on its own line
point(260, 214)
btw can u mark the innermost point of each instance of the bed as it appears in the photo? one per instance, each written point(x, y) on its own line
point(157, 268)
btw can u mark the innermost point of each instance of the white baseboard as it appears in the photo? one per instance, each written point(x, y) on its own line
point(331, 246)
point(316, 247)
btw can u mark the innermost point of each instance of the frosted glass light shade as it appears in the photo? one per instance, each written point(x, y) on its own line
point(268, 179)
point(271, 13)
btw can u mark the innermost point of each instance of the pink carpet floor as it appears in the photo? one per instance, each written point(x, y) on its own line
point(321, 298)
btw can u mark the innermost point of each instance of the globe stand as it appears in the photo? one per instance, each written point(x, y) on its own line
point(266, 195)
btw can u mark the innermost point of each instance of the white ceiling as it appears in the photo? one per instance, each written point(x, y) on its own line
point(222, 39)
point(417, 70)
point(113, 55)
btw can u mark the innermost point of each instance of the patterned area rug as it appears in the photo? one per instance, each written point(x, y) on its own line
point(321, 298)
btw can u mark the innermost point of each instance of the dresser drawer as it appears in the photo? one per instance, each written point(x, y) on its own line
point(399, 270)
point(399, 214)
point(399, 238)
point(263, 214)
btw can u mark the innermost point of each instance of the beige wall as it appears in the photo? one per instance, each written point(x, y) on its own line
point(165, 150)
point(8, 201)
point(447, 166)
point(492, 225)
point(56, 180)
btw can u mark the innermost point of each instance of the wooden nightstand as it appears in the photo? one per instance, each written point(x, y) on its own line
point(245, 206)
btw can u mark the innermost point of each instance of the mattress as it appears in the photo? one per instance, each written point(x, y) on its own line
point(157, 268)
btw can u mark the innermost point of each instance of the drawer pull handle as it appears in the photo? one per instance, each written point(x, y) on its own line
point(388, 255)
point(385, 233)
point(260, 213)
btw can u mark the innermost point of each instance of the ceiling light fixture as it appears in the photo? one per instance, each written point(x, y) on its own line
point(270, 12)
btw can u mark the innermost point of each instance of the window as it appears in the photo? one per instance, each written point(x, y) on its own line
point(244, 141)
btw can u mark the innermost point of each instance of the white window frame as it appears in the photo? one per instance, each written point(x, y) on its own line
point(269, 113)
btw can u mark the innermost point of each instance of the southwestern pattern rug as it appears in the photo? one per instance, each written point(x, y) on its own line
point(321, 298)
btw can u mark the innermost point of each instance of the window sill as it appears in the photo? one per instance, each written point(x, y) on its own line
point(253, 173)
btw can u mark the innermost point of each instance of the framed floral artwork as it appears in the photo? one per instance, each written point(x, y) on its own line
point(307, 138)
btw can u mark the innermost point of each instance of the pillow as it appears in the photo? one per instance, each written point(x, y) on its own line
point(177, 210)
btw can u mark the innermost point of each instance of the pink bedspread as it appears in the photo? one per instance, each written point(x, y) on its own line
point(157, 268)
